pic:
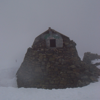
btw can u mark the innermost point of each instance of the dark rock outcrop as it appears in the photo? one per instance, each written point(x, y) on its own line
point(88, 57)
point(61, 67)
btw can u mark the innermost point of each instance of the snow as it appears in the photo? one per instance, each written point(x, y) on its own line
point(91, 92)
point(9, 90)
point(96, 61)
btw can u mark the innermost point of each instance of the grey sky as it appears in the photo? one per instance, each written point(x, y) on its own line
point(22, 20)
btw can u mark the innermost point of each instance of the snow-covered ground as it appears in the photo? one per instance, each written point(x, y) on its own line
point(9, 90)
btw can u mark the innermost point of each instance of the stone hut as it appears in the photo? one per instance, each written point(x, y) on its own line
point(53, 62)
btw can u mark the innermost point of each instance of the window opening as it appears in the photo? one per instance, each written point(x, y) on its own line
point(52, 42)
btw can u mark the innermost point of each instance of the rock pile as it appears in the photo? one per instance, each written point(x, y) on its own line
point(88, 57)
point(55, 67)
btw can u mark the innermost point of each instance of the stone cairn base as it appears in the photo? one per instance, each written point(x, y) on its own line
point(55, 68)
point(50, 69)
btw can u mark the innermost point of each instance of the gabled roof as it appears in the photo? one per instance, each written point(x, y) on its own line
point(49, 29)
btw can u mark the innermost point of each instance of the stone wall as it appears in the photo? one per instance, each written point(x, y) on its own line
point(55, 68)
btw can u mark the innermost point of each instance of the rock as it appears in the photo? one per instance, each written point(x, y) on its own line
point(88, 57)
point(93, 79)
point(72, 66)
point(84, 77)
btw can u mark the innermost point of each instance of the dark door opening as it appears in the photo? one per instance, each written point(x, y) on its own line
point(52, 42)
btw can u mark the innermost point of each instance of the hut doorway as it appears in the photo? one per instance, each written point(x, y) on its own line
point(52, 42)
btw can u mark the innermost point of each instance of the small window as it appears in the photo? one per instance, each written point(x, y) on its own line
point(52, 42)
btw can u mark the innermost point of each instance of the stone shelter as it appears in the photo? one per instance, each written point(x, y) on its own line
point(53, 62)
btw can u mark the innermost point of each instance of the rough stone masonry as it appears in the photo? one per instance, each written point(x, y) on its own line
point(53, 62)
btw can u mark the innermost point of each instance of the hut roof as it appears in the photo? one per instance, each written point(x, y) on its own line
point(52, 31)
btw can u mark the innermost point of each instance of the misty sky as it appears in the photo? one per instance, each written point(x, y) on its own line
point(22, 20)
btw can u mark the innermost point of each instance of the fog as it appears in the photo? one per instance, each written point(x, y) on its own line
point(22, 20)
